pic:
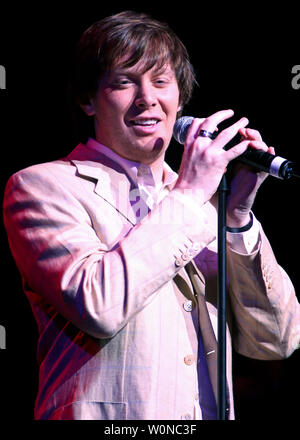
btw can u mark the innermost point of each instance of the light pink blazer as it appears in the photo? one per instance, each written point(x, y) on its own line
point(112, 337)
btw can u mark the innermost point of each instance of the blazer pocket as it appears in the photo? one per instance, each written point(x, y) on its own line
point(91, 410)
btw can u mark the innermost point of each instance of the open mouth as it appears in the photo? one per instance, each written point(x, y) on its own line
point(145, 122)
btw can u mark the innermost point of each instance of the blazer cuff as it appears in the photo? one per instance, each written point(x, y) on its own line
point(247, 242)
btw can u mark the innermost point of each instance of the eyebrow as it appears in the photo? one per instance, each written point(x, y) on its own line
point(166, 70)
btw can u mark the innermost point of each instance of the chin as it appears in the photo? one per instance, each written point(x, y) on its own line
point(152, 150)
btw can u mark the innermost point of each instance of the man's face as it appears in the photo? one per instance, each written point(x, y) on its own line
point(135, 112)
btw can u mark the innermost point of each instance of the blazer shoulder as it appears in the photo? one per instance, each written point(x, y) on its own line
point(41, 174)
point(57, 166)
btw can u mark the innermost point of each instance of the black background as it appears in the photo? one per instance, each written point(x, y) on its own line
point(243, 56)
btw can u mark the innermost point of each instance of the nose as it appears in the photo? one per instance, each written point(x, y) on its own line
point(145, 97)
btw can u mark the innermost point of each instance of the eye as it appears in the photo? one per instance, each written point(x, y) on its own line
point(121, 82)
point(124, 81)
point(161, 81)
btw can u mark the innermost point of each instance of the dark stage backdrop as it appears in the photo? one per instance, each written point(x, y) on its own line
point(246, 59)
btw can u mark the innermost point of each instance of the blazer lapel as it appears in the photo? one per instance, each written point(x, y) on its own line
point(112, 184)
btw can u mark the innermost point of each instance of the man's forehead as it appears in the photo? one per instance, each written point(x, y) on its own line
point(140, 68)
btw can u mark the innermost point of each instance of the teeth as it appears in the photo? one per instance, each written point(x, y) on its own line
point(145, 122)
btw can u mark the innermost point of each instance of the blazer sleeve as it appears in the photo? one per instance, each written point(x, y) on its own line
point(63, 261)
point(265, 308)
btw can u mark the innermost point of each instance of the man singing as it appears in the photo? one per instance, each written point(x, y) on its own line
point(118, 253)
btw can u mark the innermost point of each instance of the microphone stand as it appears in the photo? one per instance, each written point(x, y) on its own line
point(223, 190)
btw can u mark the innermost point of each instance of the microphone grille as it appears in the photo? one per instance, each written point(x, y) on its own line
point(181, 127)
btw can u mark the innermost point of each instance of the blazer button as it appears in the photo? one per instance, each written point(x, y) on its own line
point(189, 359)
point(196, 247)
point(186, 417)
point(178, 262)
point(188, 306)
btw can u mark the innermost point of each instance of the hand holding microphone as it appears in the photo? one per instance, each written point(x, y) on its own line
point(205, 160)
point(261, 160)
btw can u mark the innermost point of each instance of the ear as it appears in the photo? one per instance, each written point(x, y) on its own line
point(88, 108)
point(179, 110)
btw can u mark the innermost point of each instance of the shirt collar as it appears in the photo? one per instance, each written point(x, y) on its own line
point(138, 172)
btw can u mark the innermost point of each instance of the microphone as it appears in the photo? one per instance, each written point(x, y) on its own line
point(276, 166)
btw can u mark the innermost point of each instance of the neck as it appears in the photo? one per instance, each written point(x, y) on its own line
point(157, 169)
point(157, 165)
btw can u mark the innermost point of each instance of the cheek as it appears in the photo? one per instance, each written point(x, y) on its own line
point(171, 100)
point(116, 102)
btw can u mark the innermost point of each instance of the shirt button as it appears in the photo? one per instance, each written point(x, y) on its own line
point(188, 306)
point(143, 169)
point(186, 417)
point(189, 359)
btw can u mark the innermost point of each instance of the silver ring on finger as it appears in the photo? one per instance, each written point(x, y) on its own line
point(209, 134)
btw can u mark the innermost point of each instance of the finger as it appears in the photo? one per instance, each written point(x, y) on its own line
point(237, 150)
point(193, 131)
point(226, 135)
point(258, 145)
point(271, 150)
point(250, 133)
point(211, 123)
